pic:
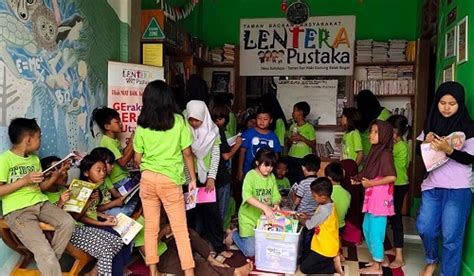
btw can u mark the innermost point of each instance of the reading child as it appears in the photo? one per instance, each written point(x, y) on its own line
point(401, 160)
point(325, 240)
point(260, 195)
point(23, 203)
point(377, 177)
point(301, 140)
point(351, 140)
point(255, 139)
point(96, 242)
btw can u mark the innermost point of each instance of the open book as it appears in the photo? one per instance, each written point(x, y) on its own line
point(434, 159)
point(127, 228)
point(80, 193)
point(231, 140)
point(71, 156)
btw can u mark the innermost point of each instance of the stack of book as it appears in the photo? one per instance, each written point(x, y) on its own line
point(364, 50)
point(406, 72)
point(396, 50)
point(380, 51)
point(216, 55)
point(229, 53)
point(386, 87)
point(374, 73)
point(389, 73)
point(326, 150)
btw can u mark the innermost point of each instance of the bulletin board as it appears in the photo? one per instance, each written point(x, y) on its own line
point(320, 94)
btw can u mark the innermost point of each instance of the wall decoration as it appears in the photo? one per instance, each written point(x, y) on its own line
point(448, 73)
point(220, 81)
point(451, 17)
point(322, 46)
point(462, 40)
point(450, 43)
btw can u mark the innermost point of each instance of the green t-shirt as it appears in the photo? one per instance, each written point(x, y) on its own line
point(342, 198)
point(118, 172)
point(283, 183)
point(54, 197)
point(300, 149)
point(12, 168)
point(265, 190)
point(383, 116)
point(401, 160)
point(231, 128)
point(351, 144)
point(162, 150)
point(280, 131)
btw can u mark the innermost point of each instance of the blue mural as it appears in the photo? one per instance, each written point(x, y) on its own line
point(46, 72)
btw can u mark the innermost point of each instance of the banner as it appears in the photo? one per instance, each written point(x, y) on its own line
point(126, 83)
point(323, 46)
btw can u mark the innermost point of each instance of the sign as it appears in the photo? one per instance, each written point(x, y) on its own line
point(322, 46)
point(126, 83)
point(152, 54)
point(153, 30)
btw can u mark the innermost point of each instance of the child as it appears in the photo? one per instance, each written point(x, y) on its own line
point(281, 169)
point(109, 122)
point(220, 114)
point(325, 240)
point(207, 153)
point(162, 140)
point(303, 199)
point(259, 193)
point(279, 125)
point(401, 160)
point(96, 242)
point(23, 203)
point(351, 141)
point(301, 140)
point(108, 205)
point(377, 177)
point(255, 139)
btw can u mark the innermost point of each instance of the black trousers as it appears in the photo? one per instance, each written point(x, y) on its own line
point(315, 263)
point(396, 220)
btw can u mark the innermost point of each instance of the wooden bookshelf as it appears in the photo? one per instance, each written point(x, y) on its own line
point(385, 64)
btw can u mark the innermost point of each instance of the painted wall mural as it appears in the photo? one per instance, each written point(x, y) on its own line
point(53, 67)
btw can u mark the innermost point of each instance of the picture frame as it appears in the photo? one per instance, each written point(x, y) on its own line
point(448, 73)
point(220, 82)
point(451, 17)
point(450, 43)
point(462, 40)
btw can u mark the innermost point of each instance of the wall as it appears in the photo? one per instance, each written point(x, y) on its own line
point(217, 22)
point(57, 75)
point(463, 74)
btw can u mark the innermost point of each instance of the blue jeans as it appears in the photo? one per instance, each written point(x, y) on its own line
point(444, 212)
point(245, 244)
point(374, 233)
point(223, 196)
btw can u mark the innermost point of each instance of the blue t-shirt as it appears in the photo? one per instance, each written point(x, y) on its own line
point(253, 141)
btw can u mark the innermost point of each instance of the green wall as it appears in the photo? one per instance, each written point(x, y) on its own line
point(217, 22)
point(463, 74)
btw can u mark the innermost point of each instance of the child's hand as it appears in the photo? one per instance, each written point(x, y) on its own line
point(429, 137)
point(268, 213)
point(65, 197)
point(130, 140)
point(192, 185)
point(366, 183)
point(94, 195)
point(296, 137)
point(355, 181)
point(210, 185)
point(238, 142)
point(119, 201)
point(33, 178)
point(110, 221)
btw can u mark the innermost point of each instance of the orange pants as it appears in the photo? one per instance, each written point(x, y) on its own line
point(157, 189)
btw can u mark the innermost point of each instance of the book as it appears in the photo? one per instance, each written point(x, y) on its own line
point(434, 159)
point(127, 228)
point(130, 195)
point(71, 156)
point(80, 193)
point(231, 140)
point(205, 197)
point(129, 186)
point(190, 199)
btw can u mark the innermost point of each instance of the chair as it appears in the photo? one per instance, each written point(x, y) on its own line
point(80, 257)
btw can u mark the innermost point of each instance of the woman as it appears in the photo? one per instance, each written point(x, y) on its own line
point(370, 109)
point(445, 192)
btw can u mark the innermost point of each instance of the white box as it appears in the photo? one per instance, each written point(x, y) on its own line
point(276, 251)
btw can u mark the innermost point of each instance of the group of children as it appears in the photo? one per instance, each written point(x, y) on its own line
point(171, 150)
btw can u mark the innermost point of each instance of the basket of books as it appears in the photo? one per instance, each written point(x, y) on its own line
point(276, 243)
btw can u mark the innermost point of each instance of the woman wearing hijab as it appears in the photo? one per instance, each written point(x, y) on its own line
point(206, 150)
point(445, 192)
point(377, 177)
point(370, 109)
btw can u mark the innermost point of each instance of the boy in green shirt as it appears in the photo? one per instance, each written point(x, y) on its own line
point(340, 196)
point(281, 169)
point(301, 140)
point(23, 203)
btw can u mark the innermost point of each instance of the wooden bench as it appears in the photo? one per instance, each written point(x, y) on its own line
point(80, 257)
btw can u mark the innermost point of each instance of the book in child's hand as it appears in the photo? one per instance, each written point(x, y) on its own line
point(190, 199)
point(130, 194)
point(231, 140)
point(205, 197)
point(434, 159)
point(71, 156)
point(129, 186)
point(127, 228)
point(80, 193)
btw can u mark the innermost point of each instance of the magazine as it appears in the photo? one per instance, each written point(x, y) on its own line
point(80, 193)
point(190, 199)
point(130, 194)
point(205, 197)
point(434, 159)
point(71, 156)
point(127, 228)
